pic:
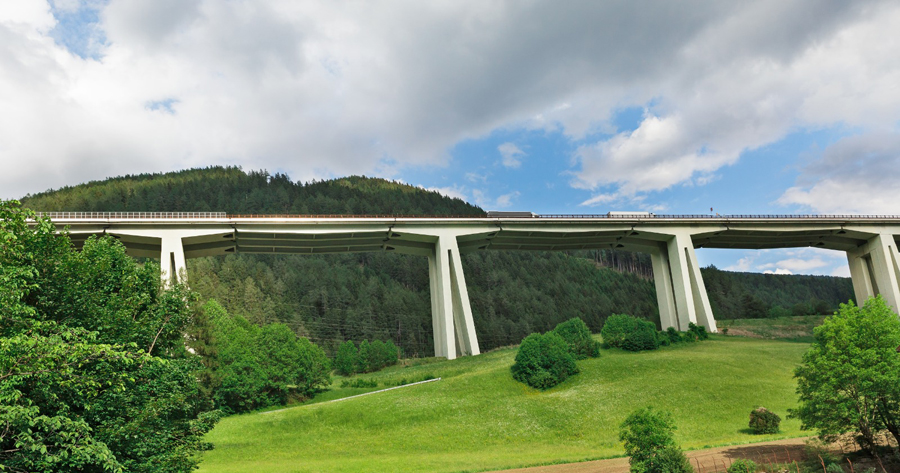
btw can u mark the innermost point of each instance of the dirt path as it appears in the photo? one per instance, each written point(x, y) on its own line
point(704, 461)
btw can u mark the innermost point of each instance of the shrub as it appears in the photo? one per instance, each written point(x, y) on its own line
point(699, 331)
point(359, 383)
point(616, 328)
point(764, 421)
point(362, 360)
point(642, 337)
point(543, 361)
point(742, 465)
point(346, 359)
point(673, 335)
point(649, 438)
point(577, 336)
point(663, 339)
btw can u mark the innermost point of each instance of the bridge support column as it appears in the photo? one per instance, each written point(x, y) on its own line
point(665, 297)
point(679, 285)
point(875, 269)
point(173, 268)
point(451, 313)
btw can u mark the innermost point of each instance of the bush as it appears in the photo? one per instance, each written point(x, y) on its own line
point(764, 421)
point(649, 438)
point(577, 336)
point(616, 328)
point(673, 335)
point(642, 337)
point(742, 465)
point(699, 331)
point(543, 361)
point(346, 359)
point(375, 355)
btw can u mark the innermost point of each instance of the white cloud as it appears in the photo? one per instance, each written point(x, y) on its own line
point(483, 200)
point(797, 264)
point(778, 271)
point(841, 271)
point(319, 89)
point(454, 192)
point(512, 155)
point(743, 265)
point(858, 174)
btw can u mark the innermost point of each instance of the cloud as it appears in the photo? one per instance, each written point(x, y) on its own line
point(319, 89)
point(454, 192)
point(858, 174)
point(791, 261)
point(512, 155)
point(500, 202)
point(797, 264)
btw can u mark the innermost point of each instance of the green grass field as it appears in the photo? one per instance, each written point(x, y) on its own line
point(796, 328)
point(478, 418)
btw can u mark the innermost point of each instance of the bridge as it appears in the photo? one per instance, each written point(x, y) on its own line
point(870, 242)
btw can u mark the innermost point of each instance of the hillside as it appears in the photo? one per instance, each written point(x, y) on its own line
point(385, 296)
point(477, 418)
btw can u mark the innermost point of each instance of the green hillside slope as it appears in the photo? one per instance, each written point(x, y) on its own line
point(477, 418)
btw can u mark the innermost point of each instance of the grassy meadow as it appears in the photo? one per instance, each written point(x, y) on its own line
point(478, 418)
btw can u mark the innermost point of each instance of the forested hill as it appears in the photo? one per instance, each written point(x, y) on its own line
point(332, 298)
point(231, 190)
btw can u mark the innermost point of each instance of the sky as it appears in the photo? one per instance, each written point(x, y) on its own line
point(577, 107)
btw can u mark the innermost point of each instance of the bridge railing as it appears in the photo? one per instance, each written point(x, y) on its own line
point(129, 215)
point(717, 216)
point(643, 216)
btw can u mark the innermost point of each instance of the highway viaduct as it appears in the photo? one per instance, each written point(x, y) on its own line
point(870, 243)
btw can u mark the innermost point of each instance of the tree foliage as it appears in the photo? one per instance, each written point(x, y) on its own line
point(94, 375)
point(764, 421)
point(543, 361)
point(847, 381)
point(578, 337)
point(346, 359)
point(649, 439)
point(630, 333)
point(251, 366)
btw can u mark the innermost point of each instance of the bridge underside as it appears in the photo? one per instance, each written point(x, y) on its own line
point(871, 248)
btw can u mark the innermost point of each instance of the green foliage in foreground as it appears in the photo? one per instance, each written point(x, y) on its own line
point(848, 379)
point(764, 421)
point(249, 367)
point(543, 361)
point(94, 375)
point(477, 418)
point(578, 337)
point(649, 439)
point(630, 333)
point(742, 465)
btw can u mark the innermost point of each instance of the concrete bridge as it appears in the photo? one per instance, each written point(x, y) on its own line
point(870, 243)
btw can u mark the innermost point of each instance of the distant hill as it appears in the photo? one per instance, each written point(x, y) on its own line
point(334, 298)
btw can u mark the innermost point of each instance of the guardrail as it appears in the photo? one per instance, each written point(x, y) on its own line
point(224, 215)
point(108, 215)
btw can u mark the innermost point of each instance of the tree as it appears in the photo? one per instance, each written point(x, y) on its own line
point(249, 367)
point(345, 360)
point(847, 381)
point(649, 438)
point(578, 337)
point(543, 361)
point(94, 375)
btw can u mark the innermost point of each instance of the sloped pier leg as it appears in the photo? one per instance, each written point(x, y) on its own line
point(679, 286)
point(172, 265)
point(874, 270)
point(451, 312)
point(665, 297)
